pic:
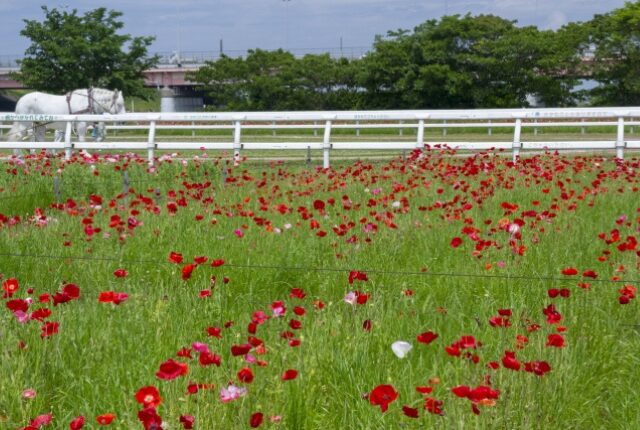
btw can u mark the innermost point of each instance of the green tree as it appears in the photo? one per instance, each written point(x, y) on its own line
point(276, 81)
point(616, 39)
point(70, 51)
point(469, 61)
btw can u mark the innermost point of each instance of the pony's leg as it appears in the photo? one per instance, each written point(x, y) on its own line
point(39, 135)
point(17, 134)
point(81, 127)
point(58, 136)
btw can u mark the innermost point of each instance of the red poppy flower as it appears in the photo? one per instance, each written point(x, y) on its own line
point(289, 375)
point(200, 259)
point(16, 305)
point(187, 421)
point(570, 271)
point(149, 397)
point(71, 290)
point(427, 337)
point(410, 412)
point(424, 389)
point(297, 293)
point(452, 350)
point(10, 286)
point(245, 375)
point(120, 273)
point(498, 321)
point(112, 297)
point(555, 340)
point(215, 332)
point(509, 361)
point(171, 369)
point(382, 396)
point(77, 423)
point(105, 419)
point(537, 367)
point(553, 316)
point(366, 325)
point(461, 391)
point(49, 329)
point(256, 419)
point(243, 349)
point(175, 257)
point(187, 270)
point(590, 274)
point(362, 298)
point(217, 263)
point(150, 419)
point(41, 420)
point(356, 275)
point(208, 358)
point(433, 406)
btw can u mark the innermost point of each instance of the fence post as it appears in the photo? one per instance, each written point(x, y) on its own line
point(151, 142)
point(308, 155)
point(444, 130)
point(517, 144)
point(67, 141)
point(357, 129)
point(273, 128)
point(489, 131)
point(315, 129)
point(620, 139)
point(193, 130)
point(236, 142)
point(535, 129)
point(400, 133)
point(420, 138)
point(326, 144)
point(582, 129)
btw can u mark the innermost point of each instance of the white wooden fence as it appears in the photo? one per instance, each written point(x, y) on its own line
point(311, 123)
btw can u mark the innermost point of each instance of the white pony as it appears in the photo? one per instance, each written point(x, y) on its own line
point(83, 101)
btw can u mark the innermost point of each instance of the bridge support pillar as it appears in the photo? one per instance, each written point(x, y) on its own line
point(167, 100)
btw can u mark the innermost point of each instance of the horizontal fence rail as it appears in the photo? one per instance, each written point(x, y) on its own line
point(319, 130)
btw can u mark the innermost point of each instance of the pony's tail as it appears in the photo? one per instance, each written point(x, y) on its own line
point(16, 133)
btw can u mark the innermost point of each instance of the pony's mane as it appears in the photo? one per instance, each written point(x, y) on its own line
point(99, 92)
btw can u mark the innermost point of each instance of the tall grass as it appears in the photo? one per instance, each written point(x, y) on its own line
point(104, 353)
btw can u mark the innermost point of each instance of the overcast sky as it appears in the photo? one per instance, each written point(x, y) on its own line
point(193, 25)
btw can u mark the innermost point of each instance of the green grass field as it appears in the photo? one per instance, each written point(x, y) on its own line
point(445, 243)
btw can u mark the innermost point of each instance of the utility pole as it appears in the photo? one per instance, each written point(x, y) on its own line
point(286, 23)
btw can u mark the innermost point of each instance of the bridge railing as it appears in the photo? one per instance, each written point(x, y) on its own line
point(331, 131)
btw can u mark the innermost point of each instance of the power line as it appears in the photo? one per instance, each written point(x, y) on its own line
point(549, 278)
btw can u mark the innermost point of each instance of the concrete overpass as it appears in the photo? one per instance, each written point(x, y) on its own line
point(158, 77)
point(177, 93)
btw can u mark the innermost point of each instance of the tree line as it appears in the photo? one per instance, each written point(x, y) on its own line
point(456, 61)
